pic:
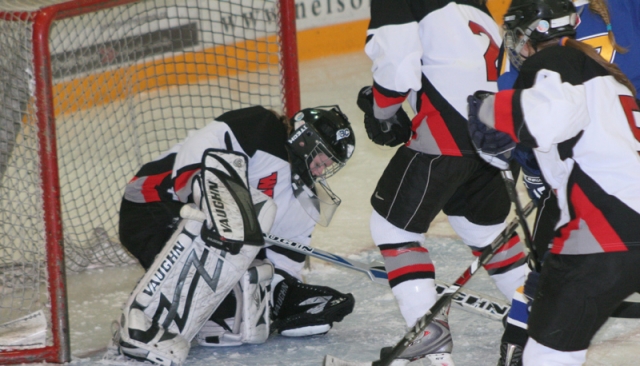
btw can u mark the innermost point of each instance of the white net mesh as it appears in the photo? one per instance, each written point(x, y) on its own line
point(128, 83)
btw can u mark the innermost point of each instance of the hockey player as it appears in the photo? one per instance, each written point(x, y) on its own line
point(433, 53)
point(195, 217)
point(595, 26)
point(578, 114)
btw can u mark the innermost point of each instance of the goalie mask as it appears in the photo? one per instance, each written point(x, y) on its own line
point(319, 146)
point(536, 21)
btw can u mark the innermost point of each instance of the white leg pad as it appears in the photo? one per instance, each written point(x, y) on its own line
point(185, 284)
point(256, 292)
point(252, 320)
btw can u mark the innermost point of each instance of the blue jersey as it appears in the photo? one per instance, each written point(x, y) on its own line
point(625, 23)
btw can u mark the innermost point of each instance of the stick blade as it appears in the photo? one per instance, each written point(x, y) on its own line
point(334, 361)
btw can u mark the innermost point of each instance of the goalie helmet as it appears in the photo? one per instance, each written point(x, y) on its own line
point(536, 21)
point(320, 145)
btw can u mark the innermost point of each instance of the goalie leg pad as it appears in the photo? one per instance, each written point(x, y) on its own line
point(179, 292)
point(141, 336)
point(252, 319)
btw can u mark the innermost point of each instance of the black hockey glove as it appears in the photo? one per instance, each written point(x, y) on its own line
point(531, 174)
point(493, 146)
point(389, 132)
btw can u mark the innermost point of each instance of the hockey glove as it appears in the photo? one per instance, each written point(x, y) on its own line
point(493, 146)
point(389, 132)
point(531, 175)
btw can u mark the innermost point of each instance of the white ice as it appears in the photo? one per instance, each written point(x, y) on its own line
point(95, 297)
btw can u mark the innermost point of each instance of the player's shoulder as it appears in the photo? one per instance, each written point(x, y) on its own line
point(257, 128)
point(573, 66)
point(395, 12)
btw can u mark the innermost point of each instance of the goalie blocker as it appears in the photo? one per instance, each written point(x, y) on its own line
point(200, 264)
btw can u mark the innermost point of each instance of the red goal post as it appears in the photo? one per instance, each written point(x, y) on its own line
point(91, 89)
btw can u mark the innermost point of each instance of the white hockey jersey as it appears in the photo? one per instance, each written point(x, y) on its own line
point(584, 127)
point(440, 50)
point(254, 132)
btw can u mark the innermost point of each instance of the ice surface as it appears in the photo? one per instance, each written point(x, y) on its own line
point(95, 297)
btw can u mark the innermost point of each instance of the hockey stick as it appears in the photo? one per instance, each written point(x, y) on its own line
point(443, 301)
point(466, 300)
point(510, 183)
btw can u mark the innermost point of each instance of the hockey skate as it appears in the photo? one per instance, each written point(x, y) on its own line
point(301, 310)
point(510, 355)
point(435, 344)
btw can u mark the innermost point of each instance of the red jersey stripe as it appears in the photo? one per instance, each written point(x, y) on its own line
point(503, 109)
point(437, 126)
point(596, 221)
point(182, 180)
point(149, 190)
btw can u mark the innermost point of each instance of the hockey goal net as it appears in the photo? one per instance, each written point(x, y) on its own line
point(89, 91)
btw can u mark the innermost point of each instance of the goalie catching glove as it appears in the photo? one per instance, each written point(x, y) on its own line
point(388, 132)
point(493, 146)
point(301, 309)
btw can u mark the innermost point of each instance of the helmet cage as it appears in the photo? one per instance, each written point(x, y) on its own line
point(324, 142)
point(319, 147)
point(515, 40)
point(536, 21)
point(317, 155)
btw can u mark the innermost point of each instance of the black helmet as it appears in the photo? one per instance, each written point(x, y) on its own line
point(322, 131)
point(537, 21)
point(320, 145)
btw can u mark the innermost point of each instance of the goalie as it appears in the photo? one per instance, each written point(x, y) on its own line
point(195, 216)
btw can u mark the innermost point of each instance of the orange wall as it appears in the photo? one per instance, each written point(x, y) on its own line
point(312, 43)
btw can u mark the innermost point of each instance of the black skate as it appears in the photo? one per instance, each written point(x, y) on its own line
point(510, 355)
point(301, 310)
point(512, 345)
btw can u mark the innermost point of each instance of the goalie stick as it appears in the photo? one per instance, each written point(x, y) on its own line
point(466, 300)
point(447, 296)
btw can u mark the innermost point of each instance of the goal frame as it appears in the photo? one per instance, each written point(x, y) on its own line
point(60, 350)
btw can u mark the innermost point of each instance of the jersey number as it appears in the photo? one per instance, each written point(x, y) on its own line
point(491, 55)
point(632, 111)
